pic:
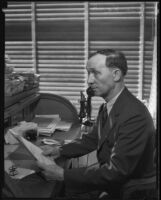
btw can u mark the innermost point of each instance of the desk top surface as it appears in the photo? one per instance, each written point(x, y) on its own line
point(21, 157)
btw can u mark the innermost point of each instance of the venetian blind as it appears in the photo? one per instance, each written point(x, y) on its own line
point(61, 48)
point(18, 37)
point(148, 48)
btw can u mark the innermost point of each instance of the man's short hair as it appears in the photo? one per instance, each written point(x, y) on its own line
point(114, 59)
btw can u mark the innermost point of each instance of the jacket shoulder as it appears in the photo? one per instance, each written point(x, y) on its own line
point(132, 106)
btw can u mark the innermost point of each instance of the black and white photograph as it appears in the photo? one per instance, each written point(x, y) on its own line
point(81, 101)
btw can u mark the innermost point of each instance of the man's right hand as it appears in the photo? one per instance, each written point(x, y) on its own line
point(51, 151)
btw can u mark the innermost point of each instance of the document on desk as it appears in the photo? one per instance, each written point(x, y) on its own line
point(20, 172)
point(34, 150)
point(46, 124)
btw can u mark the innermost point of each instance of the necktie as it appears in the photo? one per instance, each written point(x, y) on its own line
point(104, 115)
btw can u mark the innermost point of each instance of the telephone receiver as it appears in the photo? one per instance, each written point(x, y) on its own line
point(90, 92)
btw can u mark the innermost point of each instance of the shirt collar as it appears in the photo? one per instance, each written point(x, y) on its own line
point(110, 103)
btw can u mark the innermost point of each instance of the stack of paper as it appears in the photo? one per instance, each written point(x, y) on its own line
point(63, 126)
point(46, 124)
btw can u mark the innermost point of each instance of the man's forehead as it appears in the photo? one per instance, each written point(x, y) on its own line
point(96, 60)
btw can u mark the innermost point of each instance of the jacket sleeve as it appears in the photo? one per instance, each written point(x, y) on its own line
point(85, 145)
point(82, 146)
point(126, 153)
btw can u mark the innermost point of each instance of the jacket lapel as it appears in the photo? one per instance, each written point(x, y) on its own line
point(107, 130)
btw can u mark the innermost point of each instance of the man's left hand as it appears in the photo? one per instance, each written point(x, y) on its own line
point(51, 172)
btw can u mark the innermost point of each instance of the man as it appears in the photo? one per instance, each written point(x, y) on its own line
point(123, 136)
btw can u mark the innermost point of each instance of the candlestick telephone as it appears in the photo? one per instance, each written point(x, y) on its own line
point(85, 107)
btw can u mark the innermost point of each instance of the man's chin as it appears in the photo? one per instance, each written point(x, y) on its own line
point(98, 94)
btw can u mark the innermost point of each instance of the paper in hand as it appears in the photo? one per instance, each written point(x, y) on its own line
point(34, 150)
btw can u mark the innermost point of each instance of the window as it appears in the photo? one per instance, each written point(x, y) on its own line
point(55, 39)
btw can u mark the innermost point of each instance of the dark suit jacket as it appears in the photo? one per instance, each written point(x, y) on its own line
point(124, 150)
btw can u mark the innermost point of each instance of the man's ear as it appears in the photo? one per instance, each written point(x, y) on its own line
point(117, 74)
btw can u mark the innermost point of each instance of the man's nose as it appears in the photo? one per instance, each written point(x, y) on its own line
point(90, 78)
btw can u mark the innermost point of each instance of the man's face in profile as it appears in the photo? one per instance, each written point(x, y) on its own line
point(100, 77)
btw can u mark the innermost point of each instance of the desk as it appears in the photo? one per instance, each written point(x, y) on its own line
point(34, 186)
